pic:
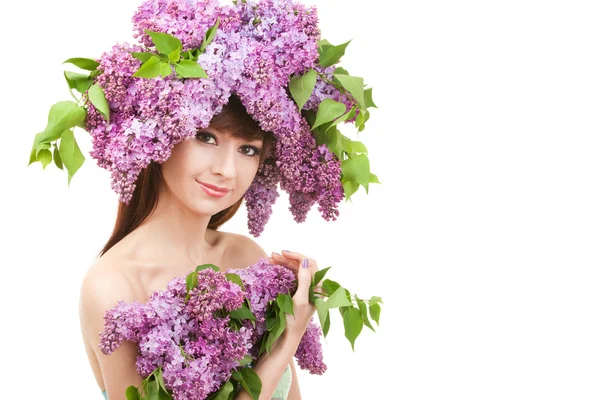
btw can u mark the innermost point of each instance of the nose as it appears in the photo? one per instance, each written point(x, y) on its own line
point(225, 163)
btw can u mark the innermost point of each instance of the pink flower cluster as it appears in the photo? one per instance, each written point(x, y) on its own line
point(257, 48)
point(192, 342)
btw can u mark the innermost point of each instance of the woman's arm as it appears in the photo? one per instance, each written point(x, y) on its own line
point(270, 367)
point(294, 393)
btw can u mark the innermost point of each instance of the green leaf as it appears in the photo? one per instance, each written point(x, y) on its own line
point(132, 393)
point(251, 383)
point(175, 55)
point(361, 119)
point(223, 393)
point(235, 278)
point(277, 330)
point(330, 286)
point(57, 159)
point(375, 299)
point(270, 336)
point(282, 323)
point(369, 98)
point(337, 299)
point(70, 153)
point(79, 82)
point(165, 69)
point(366, 114)
point(350, 187)
point(162, 395)
point(191, 281)
point(235, 324)
point(187, 55)
point(271, 321)
point(152, 393)
point(332, 54)
point(142, 56)
point(325, 328)
point(302, 86)
point(149, 69)
point(319, 275)
point(284, 301)
point(62, 116)
point(160, 380)
point(349, 115)
point(355, 85)
point(357, 169)
point(33, 154)
point(340, 70)
point(83, 63)
point(246, 360)
point(210, 34)
point(42, 146)
point(45, 157)
point(363, 312)
point(323, 42)
point(242, 313)
point(96, 96)
point(205, 266)
point(328, 110)
point(352, 324)
point(190, 69)
point(332, 138)
point(323, 314)
point(353, 147)
point(375, 311)
point(164, 42)
point(343, 310)
point(374, 179)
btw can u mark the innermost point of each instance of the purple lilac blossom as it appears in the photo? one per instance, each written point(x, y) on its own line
point(196, 348)
point(257, 48)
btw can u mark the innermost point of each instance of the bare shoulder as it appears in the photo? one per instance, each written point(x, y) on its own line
point(242, 250)
point(101, 288)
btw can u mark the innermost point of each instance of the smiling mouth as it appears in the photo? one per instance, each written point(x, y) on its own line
point(213, 192)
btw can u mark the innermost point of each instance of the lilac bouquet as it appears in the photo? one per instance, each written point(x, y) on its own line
point(197, 338)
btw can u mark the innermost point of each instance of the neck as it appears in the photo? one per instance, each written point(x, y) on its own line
point(178, 228)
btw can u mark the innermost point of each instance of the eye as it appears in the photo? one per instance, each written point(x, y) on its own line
point(205, 137)
point(253, 151)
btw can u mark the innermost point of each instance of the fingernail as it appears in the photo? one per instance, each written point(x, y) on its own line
point(287, 251)
point(276, 254)
point(305, 263)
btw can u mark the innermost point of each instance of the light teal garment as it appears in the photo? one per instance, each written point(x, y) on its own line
point(281, 391)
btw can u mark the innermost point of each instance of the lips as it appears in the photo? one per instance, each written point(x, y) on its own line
point(212, 190)
point(215, 188)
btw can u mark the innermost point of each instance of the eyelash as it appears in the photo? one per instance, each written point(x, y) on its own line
point(256, 150)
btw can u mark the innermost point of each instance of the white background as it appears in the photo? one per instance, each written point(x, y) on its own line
point(482, 239)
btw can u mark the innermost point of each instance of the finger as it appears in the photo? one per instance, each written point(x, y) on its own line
point(280, 260)
point(293, 255)
point(304, 280)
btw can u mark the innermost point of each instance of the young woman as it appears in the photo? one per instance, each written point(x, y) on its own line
point(170, 226)
point(248, 93)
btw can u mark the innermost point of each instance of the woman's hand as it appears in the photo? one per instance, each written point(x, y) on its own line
point(303, 310)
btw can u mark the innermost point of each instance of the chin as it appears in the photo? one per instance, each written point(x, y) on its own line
point(210, 206)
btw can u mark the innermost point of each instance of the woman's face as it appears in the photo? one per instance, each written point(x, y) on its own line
point(215, 158)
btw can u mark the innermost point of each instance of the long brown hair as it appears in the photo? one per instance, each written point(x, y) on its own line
point(232, 118)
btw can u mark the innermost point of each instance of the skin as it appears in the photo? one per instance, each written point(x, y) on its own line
point(172, 241)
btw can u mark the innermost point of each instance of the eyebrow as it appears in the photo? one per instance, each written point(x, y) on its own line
point(241, 138)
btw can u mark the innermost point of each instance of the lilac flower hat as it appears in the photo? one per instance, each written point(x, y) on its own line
point(268, 53)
